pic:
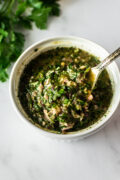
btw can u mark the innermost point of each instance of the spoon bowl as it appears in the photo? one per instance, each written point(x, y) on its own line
point(95, 71)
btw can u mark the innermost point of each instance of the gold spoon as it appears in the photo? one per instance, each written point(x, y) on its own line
point(95, 71)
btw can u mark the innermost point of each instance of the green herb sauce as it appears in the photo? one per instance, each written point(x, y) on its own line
point(56, 94)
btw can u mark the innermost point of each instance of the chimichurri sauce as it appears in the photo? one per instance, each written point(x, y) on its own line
point(55, 92)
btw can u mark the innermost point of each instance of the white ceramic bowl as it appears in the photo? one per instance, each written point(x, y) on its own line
point(44, 45)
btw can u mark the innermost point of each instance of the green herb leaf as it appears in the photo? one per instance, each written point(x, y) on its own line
point(40, 17)
point(3, 75)
point(15, 14)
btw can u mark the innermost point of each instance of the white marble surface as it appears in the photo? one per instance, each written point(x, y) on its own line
point(24, 154)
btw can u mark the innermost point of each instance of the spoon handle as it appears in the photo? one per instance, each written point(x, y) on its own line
point(108, 60)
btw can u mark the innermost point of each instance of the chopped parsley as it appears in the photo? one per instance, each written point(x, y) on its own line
point(56, 94)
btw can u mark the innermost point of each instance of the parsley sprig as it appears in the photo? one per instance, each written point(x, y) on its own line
point(15, 14)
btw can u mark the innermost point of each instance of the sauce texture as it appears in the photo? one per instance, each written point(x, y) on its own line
point(56, 94)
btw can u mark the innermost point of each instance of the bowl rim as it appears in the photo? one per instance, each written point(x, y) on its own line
point(79, 133)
